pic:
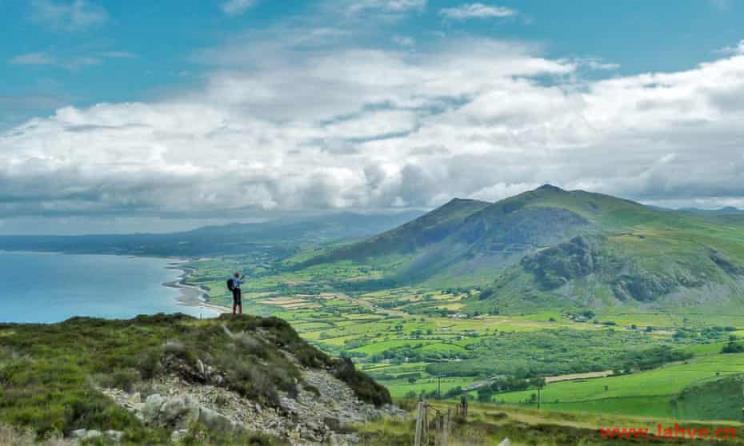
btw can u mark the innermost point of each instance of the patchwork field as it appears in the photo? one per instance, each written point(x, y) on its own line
point(426, 341)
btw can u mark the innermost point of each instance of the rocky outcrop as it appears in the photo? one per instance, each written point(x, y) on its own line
point(556, 266)
point(320, 413)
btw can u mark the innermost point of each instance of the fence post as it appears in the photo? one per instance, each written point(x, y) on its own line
point(425, 435)
point(419, 423)
point(445, 433)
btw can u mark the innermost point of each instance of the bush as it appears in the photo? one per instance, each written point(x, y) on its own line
point(732, 347)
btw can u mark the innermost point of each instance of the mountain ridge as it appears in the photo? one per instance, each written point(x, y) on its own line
point(572, 247)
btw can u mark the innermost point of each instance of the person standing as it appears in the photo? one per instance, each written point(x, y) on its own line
point(233, 284)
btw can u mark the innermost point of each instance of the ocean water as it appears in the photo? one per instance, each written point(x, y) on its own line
point(46, 287)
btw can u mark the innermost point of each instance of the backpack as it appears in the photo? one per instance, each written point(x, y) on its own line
point(230, 285)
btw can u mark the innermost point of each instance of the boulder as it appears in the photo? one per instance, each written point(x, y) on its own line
point(213, 419)
point(151, 411)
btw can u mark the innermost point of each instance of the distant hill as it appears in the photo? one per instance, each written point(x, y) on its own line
point(550, 246)
point(274, 235)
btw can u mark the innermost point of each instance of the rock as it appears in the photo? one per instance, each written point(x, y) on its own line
point(174, 410)
point(135, 399)
point(79, 433)
point(114, 436)
point(151, 411)
point(92, 435)
point(332, 423)
point(213, 419)
point(310, 417)
point(178, 435)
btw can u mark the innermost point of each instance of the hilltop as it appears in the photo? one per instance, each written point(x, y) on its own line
point(553, 247)
point(174, 379)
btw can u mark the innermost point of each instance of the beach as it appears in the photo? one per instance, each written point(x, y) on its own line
point(191, 295)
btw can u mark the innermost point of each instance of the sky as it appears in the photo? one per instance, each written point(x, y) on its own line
point(120, 116)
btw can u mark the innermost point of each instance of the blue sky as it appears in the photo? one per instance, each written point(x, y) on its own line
point(137, 50)
point(135, 114)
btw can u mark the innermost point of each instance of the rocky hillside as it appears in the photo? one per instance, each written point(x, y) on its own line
point(177, 380)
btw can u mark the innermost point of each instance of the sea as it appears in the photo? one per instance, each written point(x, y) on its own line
point(51, 287)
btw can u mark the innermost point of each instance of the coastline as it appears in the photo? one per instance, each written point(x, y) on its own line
point(191, 295)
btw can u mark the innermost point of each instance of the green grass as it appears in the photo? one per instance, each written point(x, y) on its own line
point(50, 374)
point(643, 393)
point(391, 338)
point(491, 424)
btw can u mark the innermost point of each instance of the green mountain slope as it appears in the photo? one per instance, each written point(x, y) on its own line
point(574, 248)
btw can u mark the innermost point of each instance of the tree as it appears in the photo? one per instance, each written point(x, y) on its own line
point(485, 395)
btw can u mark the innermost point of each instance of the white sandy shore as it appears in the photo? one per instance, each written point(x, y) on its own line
point(190, 295)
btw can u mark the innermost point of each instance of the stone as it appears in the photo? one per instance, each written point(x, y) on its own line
point(92, 435)
point(135, 399)
point(174, 409)
point(151, 411)
point(178, 435)
point(333, 423)
point(79, 433)
point(213, 419)
point(114, 436)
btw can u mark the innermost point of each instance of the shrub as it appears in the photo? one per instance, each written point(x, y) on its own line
point(732, 347)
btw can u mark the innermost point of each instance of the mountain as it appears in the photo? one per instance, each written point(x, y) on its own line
point(178, 380)
point(274, 235)
point(550, 246)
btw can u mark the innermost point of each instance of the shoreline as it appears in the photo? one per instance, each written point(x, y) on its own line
point(191, 295)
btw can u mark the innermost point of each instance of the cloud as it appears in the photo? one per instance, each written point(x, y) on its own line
point(597, 64)
point(77, 15)
point(334, 123)
point(237, 7)
point(732, 50)
point(32, 59)
point(386, 6)
point(477, 11)
point(72, 62)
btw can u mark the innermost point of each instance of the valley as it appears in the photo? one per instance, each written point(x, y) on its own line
point(490, 299)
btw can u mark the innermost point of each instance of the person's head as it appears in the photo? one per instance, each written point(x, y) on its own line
point(237, 274)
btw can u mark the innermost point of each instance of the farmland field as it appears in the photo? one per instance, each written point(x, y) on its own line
point(418, 340)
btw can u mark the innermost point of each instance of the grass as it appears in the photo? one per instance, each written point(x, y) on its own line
point(394, 341)
point(50, 374)
point(645, 393)
point(488, 424)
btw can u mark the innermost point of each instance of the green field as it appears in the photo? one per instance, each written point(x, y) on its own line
point(404, 339)
point(645, 393)
point(490, 299)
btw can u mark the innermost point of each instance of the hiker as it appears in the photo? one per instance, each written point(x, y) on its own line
point(233, 284)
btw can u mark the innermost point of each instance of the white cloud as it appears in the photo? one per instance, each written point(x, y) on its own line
point(33, 59)
point(76, 15)
point(237, 7)
point(70, 62)
point(597, 64)
point(344, 125)
point(386, 6)
point(477, 11)
point(736, 49)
